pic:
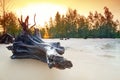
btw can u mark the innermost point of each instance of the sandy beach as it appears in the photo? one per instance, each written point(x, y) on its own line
point(93, 59)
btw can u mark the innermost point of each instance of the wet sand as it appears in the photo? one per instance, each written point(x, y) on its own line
point(91, 61)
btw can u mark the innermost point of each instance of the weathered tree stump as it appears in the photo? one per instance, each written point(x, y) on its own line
point(31, 46)
point(6, 38)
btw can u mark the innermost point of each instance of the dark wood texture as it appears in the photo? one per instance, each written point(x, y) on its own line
point(6, 38)
point(31, 46)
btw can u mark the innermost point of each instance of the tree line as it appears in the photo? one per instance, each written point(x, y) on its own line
point(70, 25)
point(74, 25)
point(10, 24)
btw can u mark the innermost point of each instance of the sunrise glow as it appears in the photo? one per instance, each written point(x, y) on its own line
point(43, 12)
point(44, 9)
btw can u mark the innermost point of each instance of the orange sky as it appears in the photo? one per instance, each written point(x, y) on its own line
point(82, 6)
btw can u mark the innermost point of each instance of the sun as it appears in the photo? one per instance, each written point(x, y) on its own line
point(43, 12)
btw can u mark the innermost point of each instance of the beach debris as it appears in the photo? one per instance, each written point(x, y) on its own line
point(29, 45)
point(6, 38)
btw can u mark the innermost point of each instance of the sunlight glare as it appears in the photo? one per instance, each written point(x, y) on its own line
point(43, 12)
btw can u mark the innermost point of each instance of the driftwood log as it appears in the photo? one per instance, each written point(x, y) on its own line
point(31, 46)
point(6, 38)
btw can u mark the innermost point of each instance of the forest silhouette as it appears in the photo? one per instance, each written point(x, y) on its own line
point(70, 25)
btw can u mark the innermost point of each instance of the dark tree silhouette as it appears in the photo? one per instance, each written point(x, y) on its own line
point(74, 25)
